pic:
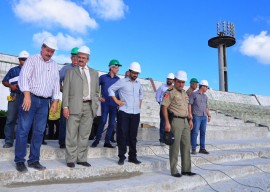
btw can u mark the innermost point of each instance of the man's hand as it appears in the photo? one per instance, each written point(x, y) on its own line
point(26, 101)
point(66, 112)
point(54, 107)
point(101, 99)
point(167, 127)
point(13, 87)
point(120, 103)
point(190, 123)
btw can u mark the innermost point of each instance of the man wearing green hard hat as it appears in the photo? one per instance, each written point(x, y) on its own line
point(62, 73)
point(193, 86)
point(108, 106)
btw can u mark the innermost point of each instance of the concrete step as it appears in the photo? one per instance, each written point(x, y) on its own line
point(255, 182)
point(159, 180)
point(144, 148)
point(212, 134)
point(243, 128)
point(236, 134)
point(57, 171)
point(52, 151)
point(230, 122)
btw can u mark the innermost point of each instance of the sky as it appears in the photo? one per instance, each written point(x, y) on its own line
point(163, 36)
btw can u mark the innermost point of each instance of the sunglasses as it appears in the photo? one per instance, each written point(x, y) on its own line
point(22, 59)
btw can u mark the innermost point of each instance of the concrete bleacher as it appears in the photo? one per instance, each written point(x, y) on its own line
point(239, 158)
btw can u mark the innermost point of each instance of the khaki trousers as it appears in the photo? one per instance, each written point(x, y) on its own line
point(78, 130)
point(181, 131)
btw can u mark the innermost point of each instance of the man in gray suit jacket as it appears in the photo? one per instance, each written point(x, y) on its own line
point(80, 103)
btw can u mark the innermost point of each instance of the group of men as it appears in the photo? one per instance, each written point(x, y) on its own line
point(35, 90)
point(184, 114)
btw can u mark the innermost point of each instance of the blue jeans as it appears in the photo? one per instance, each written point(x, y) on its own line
point(12, 116)
point(161, 126)
point(106, 110)
point(37, 115)
point(199, 124)
point(62, 129)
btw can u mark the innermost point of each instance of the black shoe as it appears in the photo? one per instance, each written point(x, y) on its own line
point(86, 164)
point(62, 146)
point(44, 143)
point(188, 173)
point(203, 151)
point(177, 175)
point(135, 161)
point(113, 141)
point(36, 165)
point(108, 145)
point(7, 145)
point(71, 165)
point(21, 167)
point(121, 161)
point(95, 143)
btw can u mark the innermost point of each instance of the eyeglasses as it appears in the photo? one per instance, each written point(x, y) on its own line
point(22, 59)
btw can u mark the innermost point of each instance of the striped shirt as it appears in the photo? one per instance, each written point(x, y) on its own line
point(130, 92)
point(40, 77)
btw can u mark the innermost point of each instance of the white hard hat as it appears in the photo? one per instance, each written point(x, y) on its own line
point(51, 42)
point(204, 82)
point(84, 49)
point(170, 76)
point(181, 75)
point(135, 66)
point(23, 54)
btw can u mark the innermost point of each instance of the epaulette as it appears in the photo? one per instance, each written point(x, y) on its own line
point(170, 89)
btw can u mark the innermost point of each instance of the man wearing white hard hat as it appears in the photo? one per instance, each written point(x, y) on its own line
point(159, 97)
point(11, 81)
point(80, 104)
point(199, 112)
point(130, 99)
point(175, 111)
point(39, 84)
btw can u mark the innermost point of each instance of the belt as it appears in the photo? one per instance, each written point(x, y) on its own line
point(179, 117)
point(87, 101)
point(41, 96)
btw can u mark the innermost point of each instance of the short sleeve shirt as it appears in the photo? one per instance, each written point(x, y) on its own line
point(199, 103)
point(176, 101)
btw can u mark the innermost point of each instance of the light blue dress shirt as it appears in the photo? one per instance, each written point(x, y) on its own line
point(130, 92)
point(160, 92)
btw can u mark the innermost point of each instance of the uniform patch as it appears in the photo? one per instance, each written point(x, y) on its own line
point(166, 95)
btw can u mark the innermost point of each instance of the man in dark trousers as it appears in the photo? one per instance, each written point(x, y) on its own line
point(11, 81)
point(108, 106)
point(129, 102)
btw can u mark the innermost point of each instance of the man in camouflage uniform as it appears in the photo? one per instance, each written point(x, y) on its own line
point(175, 105)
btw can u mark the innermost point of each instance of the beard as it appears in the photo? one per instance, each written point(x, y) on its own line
point(169, 83)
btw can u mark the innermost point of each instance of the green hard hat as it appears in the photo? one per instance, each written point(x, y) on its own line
point(74, 51)
point(114, 62)
point(194, 80)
